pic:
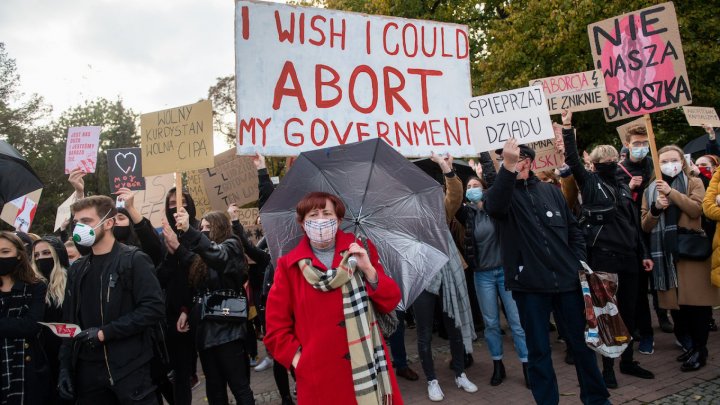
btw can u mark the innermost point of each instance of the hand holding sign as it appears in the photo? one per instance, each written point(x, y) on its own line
point(77, 182)
point(259, 161)
point(511, 154)
point(710, 131)
point(233, 212)
point(566, 118)
point(182, 219)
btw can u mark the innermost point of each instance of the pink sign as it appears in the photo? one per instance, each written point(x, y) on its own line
point(81, 149)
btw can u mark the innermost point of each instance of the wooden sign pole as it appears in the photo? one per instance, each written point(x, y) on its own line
point(178, 190)
point(653, 147)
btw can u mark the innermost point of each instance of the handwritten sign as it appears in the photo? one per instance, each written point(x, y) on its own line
point(248, 216)
point(574, 92)
point(177, 139)
point(232, 180)
point(699, 116)
point(151, 201)
point(623, 129)
point(20, 212)
point(319, 78)
point(63, 212)
point(196, 188)
point(642, 60)
point(546, 156)
point(254, 233)
point(125, 169)
point(63, 330)
point(81, 149)
point(521, 114)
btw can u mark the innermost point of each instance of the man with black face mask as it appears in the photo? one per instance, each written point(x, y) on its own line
point(612, 233)
point(114, 296)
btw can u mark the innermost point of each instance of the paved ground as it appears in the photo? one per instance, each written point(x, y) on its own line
point(670, 386)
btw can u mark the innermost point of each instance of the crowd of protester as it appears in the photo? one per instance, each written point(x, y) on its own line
point(144, 299)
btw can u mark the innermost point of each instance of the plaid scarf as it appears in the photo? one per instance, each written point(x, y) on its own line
point(367, 356)
point(12, 353)
point(663, 237)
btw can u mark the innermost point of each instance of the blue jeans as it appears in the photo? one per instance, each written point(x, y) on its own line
point(569, 308)
point(489, 285)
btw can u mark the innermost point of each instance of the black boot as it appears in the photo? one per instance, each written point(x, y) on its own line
point(525, 374)
point(569, 359)
point(696, 361)
point(609, 377)
point(287, 401)
point(498, 373)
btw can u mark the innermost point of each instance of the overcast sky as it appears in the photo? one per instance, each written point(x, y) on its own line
point(154, 54)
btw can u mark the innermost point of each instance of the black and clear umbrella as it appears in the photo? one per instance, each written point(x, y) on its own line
point(696, 145)
point(389, 200)
point(17, 178)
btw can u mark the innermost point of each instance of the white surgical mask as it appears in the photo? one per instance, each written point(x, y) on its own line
point(321, 230)
point(84, 235)
point(671, 169)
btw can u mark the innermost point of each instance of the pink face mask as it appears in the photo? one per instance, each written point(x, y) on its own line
point(321, 230)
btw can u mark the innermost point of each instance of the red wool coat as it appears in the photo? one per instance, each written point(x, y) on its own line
point(299, 315)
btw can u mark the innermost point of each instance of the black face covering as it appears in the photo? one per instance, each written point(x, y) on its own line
point(83, 250)
point(8, 265)
point(122, 233)
point(606, 170)
point(45, 266)
point(206, 233)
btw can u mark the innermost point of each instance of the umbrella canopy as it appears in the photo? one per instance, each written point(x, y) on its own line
point(17, 178)
point(696, 145)
point(389, 200)
point(462, 169)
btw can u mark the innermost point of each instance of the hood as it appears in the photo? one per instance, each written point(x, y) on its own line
point(59, 247)
point(190, 209)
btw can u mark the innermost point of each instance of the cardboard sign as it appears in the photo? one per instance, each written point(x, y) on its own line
point(254, 233)
point(624, 128)
point(248, 216)
point(81, 149)
point(546, 156)
point(125, 169)
point(177, 139)
point(196, 188)
point(310, 78)
point(20, 212)
point(151, 201)
point(63, 212)
point(233, 180)
point(521, 114)
point(642, 60)
point(574, 92)
point(699, 116)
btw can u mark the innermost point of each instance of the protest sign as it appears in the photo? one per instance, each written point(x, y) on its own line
point(623, 129)
point(81, 149)
point(233, 180)
point(125, 169)
point(248, 216)
point(177, 139)
point(699, 116)
point(63, 212)
point(254, 233)
point(574, 92)
point(520, 113)
point(151, 201)
point(196, 188)
point(642, 61)
point(20, 212)
point(319, 78)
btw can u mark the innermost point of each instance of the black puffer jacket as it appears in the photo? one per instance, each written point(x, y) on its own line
point(541, 241)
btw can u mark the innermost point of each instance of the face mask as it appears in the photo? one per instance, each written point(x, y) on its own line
point(671, 169)
point(8, 265)
point(321, 230)
point(122, 233)
point(206, 233)
point(706, 171)
point(84, 235)
point(607, 169)
point(45, 266)
point(83, 250)
point(474, 194)
point(639, 152)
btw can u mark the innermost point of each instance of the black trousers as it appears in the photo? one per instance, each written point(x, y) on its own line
point(181, 348)
point(424, 307)
point(282, 380)
point(92, 386)
point(693, 321)
point(643, 321)
point(226, 366)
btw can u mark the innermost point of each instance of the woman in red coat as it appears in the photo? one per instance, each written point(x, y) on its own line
point(337, 350)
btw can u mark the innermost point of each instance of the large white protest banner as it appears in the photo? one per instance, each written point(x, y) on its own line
point(520, 113)
point(310, 78)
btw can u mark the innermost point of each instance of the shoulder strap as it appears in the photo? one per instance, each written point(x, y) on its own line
point(625, 170)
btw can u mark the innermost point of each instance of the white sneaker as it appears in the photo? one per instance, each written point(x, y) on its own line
point(265, 364)
point(465, 384)
point(434, 392)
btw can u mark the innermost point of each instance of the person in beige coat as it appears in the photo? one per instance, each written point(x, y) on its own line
point(683, 285)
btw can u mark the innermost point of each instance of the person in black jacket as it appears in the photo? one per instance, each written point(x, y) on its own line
point(25, 379)
point(615, 244)
point(542, 246)
point(135, 230)
point(115, 298)
point(219, 267)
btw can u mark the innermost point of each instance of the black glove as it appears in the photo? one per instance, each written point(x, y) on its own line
point(89, 337)
point(65, 385)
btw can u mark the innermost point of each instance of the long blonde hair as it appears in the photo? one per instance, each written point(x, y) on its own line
point(58, 278)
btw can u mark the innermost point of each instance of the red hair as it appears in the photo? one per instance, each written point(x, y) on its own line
point(318, 199)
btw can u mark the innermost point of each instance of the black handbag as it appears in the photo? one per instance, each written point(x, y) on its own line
point(693, 244)
point(224, 306)
point(598, 215)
